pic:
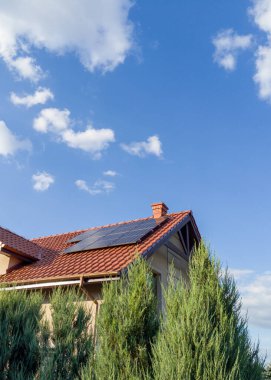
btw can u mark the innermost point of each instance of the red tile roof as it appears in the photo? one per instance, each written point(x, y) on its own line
point(19, 245)
point(55, 264)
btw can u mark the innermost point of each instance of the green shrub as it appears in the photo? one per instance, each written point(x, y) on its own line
point(267, 372)
point(127, 325)
point(203, 335)
point(67, 344)
point(20, 316)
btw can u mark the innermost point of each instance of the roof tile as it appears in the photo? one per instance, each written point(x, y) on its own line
point(19, 244)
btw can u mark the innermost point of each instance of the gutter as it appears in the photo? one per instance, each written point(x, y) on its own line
point(60, 283)
point(62, 278)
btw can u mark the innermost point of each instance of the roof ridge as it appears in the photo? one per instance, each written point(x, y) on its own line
point(104, 226)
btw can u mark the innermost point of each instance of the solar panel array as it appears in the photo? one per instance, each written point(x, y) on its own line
point(127, 233)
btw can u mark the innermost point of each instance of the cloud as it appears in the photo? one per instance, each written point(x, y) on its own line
point(227, 46)
point(261, 13)
point(42, 181)
point(262, 76)
point(58, 123)
point(98, 32)
point(25, 67)
point(240, 273)
point(99, 187)
point(152, 146)
point(40, 96)
point(9, 143)
point(110, 173)
point(256, 299)
point(52, 120)
point(228, 43)
point(256, 295)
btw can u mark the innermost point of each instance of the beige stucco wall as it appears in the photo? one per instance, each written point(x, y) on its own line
point(7, 262)
point(161, 261)
point(94, 299)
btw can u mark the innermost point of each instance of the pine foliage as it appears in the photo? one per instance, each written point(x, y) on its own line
point(67, 344)
point(127, 325)
point(19, 327)
point(203, 335)
point(267, 372)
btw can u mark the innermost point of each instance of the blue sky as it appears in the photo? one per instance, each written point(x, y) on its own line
point(117, 105)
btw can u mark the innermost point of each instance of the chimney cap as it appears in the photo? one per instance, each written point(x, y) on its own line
point(159, 209)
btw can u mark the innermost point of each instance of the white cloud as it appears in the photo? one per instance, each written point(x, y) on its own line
point(255, 289)
point(240, 273)
point(42, 181)
point(91, 140)
point(58, 122)
point(98, 32)
point(262, 76)
point(52, 120)
point(40, 96)
point(152, 146)
point(261, 13)
point(256, 295)
point(9, 143)
point(227, 46)
point(110, 173)
point(99, 187)
point(25, 67)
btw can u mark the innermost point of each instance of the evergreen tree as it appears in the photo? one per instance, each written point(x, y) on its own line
point(203, 335)
point(127, 325)
point(19, 327)
point(67, 340)
point(267, 372)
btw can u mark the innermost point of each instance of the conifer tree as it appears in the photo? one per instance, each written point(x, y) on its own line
point(203, 334)
point(19, 327)
point(267, 372)
point(67, 343)
point(127, 325)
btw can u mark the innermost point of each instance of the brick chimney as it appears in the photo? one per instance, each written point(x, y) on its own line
point(159, 210)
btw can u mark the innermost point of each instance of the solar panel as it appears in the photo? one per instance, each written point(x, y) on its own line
point(80, 246)
point(126, 233)
point(87, 234)
point(140, 224)
point(132, 237)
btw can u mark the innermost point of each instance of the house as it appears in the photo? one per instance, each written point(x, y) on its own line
point(88, 258)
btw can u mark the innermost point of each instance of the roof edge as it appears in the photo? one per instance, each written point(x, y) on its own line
point(63, 278)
